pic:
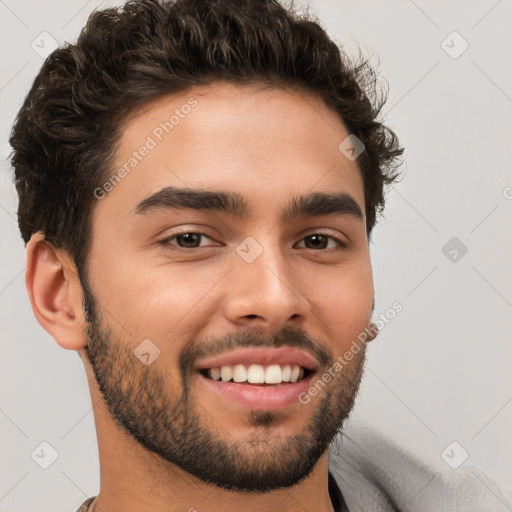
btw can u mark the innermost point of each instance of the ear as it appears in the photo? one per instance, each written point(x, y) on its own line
point(55, 292)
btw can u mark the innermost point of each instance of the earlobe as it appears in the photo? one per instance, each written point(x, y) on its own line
point(55, 292)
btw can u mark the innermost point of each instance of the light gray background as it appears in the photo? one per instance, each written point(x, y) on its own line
point(440, 371)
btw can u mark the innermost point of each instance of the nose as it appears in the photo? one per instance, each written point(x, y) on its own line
point(266, 293)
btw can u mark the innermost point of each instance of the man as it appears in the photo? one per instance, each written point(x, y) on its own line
point(198, 184)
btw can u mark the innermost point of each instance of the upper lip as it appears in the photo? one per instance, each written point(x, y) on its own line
point(262, 356)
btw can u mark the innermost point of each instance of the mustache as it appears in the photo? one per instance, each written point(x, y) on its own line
point(294, 337)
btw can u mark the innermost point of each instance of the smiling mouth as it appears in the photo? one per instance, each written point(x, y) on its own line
point(258, 375)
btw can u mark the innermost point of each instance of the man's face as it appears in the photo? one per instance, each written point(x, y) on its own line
point(164, 303)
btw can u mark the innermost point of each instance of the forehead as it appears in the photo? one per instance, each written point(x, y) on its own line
point(257, 141)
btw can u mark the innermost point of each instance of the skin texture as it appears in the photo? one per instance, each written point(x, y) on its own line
point(166, 441)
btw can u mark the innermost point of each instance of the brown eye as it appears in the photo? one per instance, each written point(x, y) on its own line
point(189, 240)
point(319, 241)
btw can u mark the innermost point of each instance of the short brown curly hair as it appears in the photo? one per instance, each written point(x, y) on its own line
point(64, 137)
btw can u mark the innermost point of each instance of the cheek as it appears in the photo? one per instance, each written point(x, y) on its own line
point(157, 302)
point(164, 306)
point(343, 300)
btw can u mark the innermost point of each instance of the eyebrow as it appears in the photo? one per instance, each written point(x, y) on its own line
point(231, 203)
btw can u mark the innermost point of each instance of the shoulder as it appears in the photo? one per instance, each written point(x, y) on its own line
point(85, 505)
point(376, 473)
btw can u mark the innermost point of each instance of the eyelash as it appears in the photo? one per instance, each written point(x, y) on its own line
point(166, 241)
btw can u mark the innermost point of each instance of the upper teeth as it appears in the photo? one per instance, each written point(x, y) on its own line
point(258, 374)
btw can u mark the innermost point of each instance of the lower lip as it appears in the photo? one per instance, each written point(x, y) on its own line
point(260, 397)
